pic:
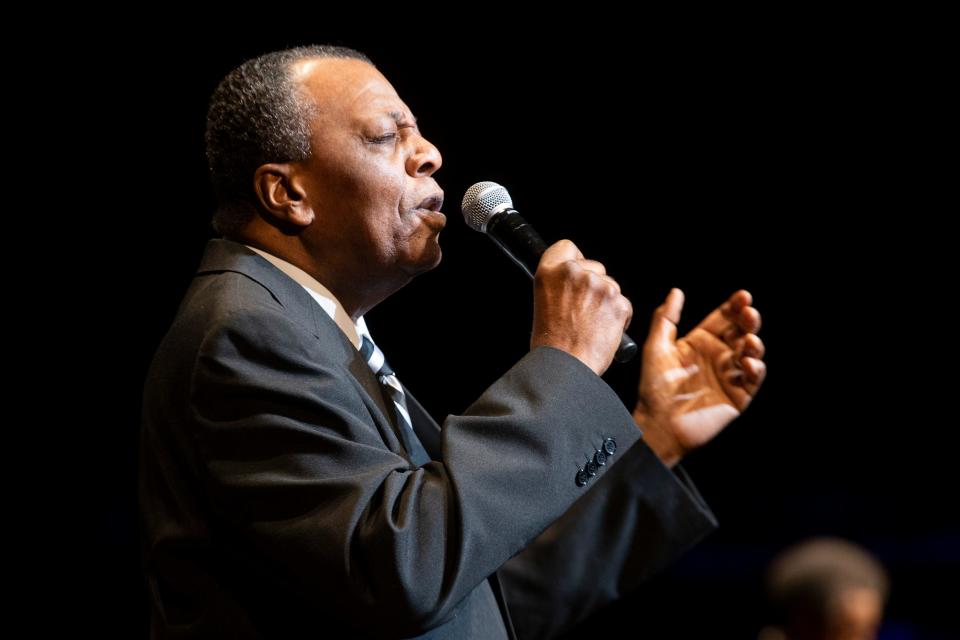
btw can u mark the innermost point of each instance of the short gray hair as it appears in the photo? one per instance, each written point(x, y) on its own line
point(256, 116)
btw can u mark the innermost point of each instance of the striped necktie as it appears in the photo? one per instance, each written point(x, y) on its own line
point(383, 372)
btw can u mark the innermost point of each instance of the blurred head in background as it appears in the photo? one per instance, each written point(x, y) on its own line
point(825, 589)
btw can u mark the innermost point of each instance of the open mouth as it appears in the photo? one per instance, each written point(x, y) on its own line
point(432, 202)
point(429, 210)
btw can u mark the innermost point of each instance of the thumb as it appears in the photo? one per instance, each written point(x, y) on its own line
point(663, 327)
point(560, 251)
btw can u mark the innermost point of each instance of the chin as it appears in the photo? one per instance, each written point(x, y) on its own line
point(428, 259)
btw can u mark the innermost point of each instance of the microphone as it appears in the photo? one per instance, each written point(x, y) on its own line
point(488, 208)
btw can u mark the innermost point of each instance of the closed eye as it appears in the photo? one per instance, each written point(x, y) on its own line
point(387, 137)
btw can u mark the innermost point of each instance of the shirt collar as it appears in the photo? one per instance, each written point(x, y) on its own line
point(327, 301)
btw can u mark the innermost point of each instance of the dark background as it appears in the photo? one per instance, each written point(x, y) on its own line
point(777, 160)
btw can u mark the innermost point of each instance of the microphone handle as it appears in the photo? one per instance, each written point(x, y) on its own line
point(523, 244)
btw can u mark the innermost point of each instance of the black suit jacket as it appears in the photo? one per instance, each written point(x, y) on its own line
point(277, 501)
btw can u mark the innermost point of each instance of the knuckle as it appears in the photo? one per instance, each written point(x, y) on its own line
point(596, 266)
point(590, 277)
point(565, 246)
point(569, 267)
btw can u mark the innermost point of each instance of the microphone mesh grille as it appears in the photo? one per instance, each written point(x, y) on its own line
point(481, 201)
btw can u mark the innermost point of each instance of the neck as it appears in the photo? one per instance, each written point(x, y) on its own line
point(356, 289)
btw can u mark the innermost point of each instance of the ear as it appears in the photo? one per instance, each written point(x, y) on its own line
point(281, 194)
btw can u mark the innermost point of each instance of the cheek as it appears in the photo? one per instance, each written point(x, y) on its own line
point(366, 201)
point(385, 191)
point(381, 200)
point(361, 177)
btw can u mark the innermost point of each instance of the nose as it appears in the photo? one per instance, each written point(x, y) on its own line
point(425, 159)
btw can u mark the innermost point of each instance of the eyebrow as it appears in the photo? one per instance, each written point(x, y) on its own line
point(396, 115)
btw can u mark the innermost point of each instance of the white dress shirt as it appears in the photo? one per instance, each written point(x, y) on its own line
point(327, 301)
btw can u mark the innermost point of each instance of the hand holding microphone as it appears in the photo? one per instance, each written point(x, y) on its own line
point(577, 307)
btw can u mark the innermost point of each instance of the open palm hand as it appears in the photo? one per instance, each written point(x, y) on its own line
point(691, 388)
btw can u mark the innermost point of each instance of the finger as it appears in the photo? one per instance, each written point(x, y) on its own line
point(616, 285)
point(663, 326)
point(750, 346)
point(612, 282)
point(629, 312)
point(736, 302)
point(593, 265)
point(745, 322)
point(755, 372)
point(560, 251)
point(748, 320)
point(596, 267)
point(722, 321)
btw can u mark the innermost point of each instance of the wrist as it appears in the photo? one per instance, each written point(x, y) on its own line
point(547, 340)
point(658, 436)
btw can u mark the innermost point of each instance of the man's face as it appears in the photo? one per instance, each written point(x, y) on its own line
point(856, 616)
point(369, 178)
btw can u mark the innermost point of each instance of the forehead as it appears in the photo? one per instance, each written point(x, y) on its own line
point(347, 89)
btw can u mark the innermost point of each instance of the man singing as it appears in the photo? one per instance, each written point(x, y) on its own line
point(292, 486)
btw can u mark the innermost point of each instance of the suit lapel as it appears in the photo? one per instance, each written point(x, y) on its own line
point(336, 343)
point(226, 255)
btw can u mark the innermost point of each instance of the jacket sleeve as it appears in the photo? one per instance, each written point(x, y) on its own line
point(633, 522)
point(293, 466)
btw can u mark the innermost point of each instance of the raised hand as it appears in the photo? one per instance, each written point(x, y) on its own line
point(691, 388)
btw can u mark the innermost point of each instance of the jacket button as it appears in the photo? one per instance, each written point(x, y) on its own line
point(591, 468)
point(582, 478)
point(600, 457)
point(609, 446)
